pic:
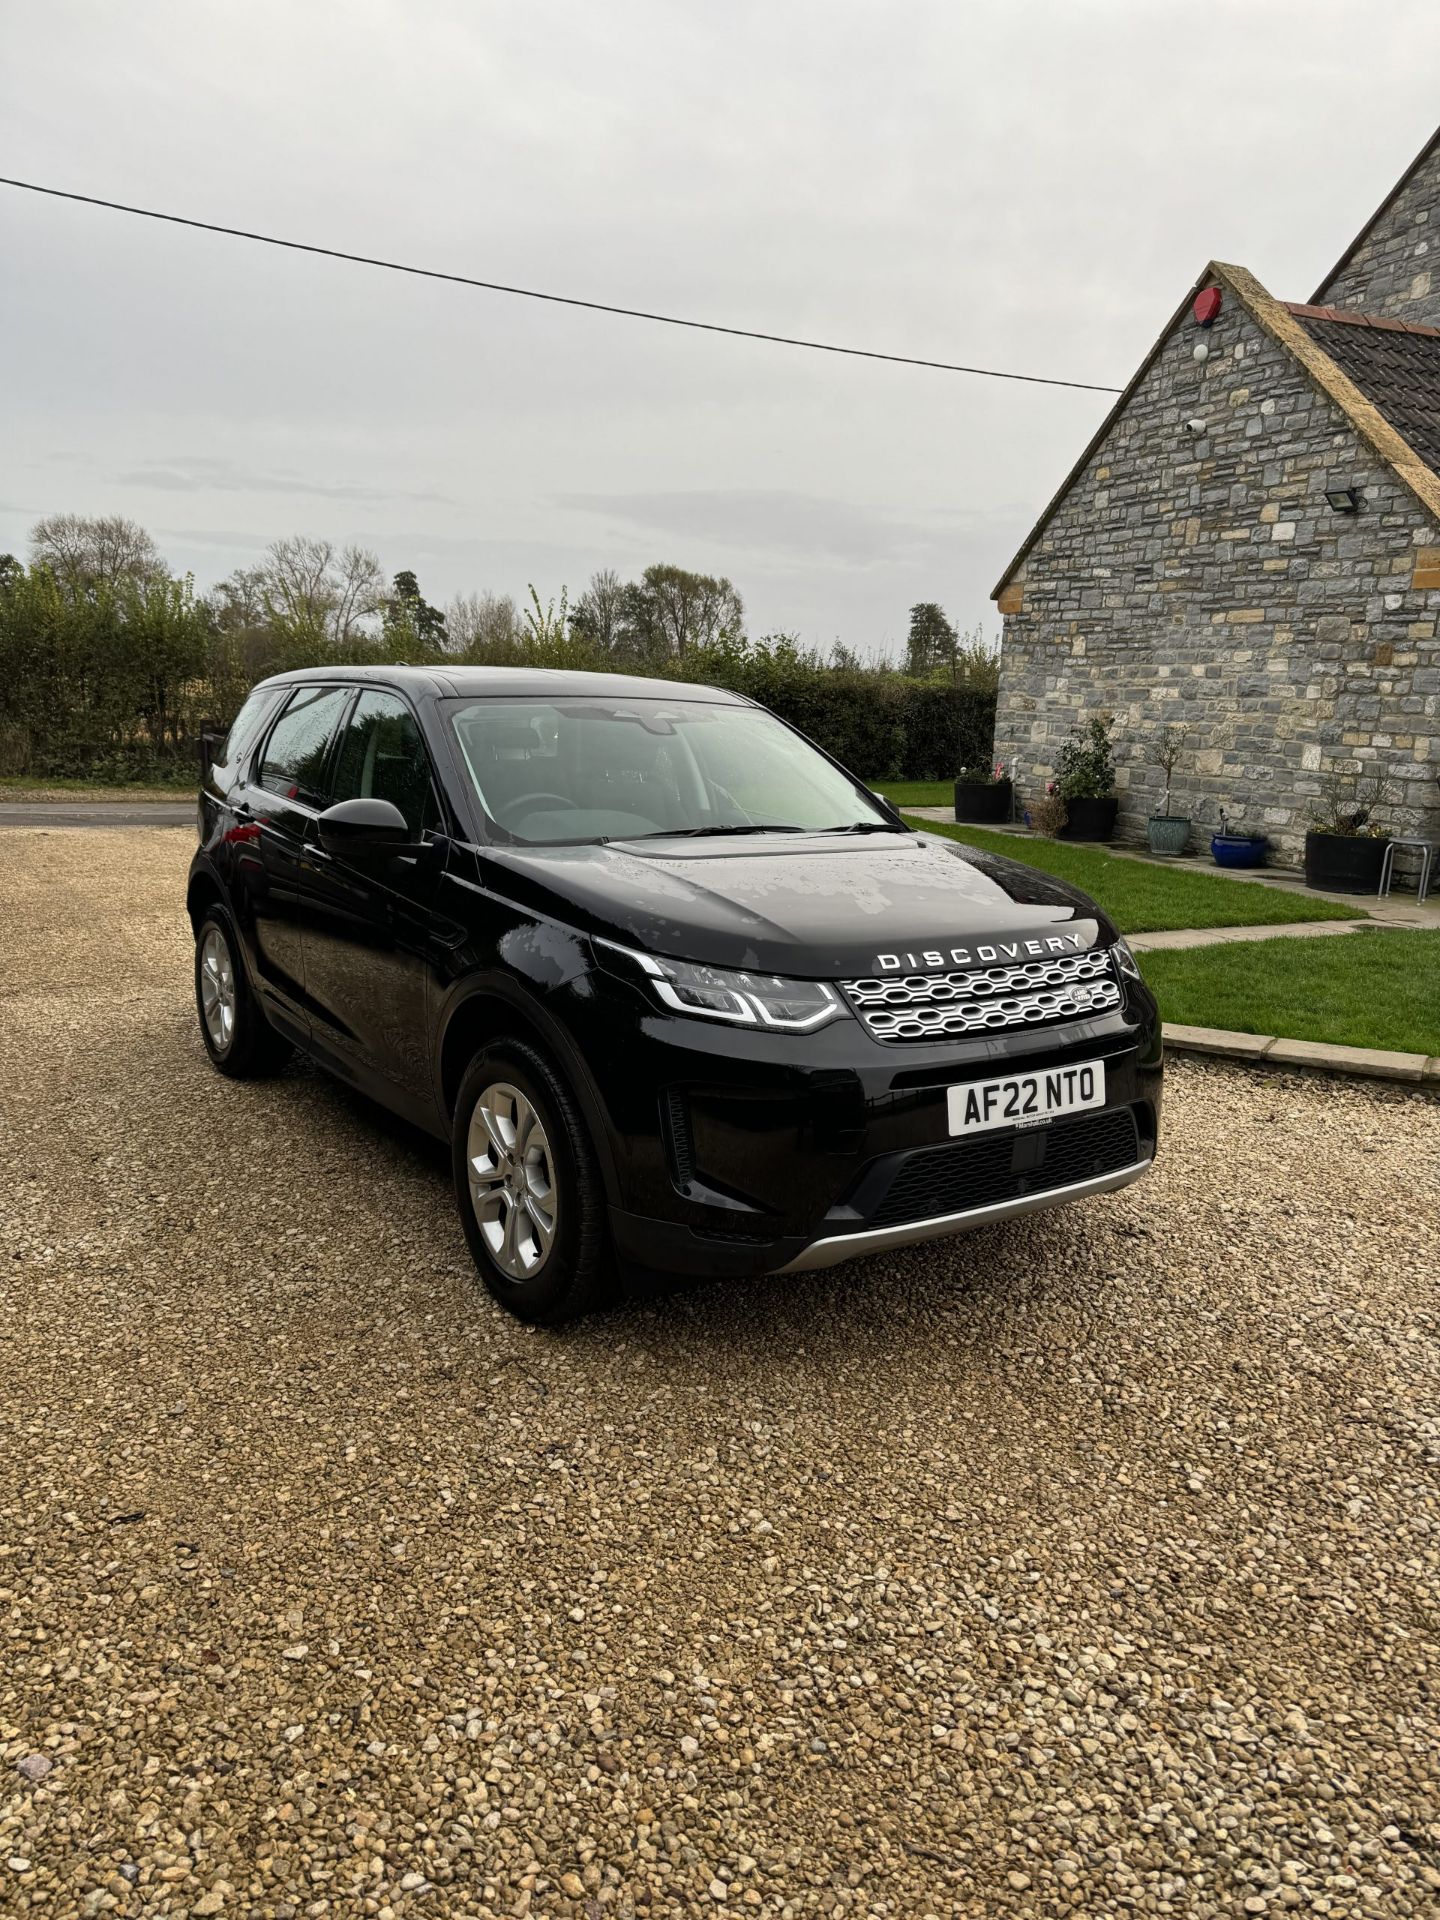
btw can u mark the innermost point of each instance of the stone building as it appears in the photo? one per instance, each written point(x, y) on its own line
point(1250, 546)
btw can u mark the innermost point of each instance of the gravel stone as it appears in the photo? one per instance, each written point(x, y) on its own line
point(1101, 1572)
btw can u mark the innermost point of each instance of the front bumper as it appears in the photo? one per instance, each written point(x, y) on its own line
point(833, 1248)
point(742, 1152)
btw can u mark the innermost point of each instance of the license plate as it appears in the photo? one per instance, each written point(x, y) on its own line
point(1026, 1099)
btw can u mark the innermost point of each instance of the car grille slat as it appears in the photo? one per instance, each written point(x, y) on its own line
point(927, 1006)
point(980, 1172)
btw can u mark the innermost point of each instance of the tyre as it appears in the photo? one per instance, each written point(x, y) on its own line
point(528, 1187)
point(238, 1038)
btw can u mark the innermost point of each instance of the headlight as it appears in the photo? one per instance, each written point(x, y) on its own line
point(715, 993)
point(1125, 960)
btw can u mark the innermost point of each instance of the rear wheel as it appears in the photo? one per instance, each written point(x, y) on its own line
point(238, 1038)
point(528, 1187)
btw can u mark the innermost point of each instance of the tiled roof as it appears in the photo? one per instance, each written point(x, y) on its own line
point(1396, 366)
point(1308, 311)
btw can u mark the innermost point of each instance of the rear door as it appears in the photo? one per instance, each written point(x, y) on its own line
point(368, 914)
point(285, 794)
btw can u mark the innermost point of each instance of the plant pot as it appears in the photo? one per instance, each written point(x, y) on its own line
point(1090, 819)
point(1168, 832)
point(1238, 849)
point(977, 800)
point(1343, 862)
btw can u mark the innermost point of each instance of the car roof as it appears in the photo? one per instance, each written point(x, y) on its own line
point(533, 682)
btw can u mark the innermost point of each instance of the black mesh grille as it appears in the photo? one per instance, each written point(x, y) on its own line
point(981, 1172)
point(675, 1125)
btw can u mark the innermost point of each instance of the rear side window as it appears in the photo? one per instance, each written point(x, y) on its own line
point(293, 763)
point(246, 729)
point(382, 756)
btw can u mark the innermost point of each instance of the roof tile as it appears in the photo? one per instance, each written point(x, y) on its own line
point(1396, 368)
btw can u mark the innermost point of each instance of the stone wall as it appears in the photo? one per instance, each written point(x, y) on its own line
point(1395, 271)
point(1201, 577)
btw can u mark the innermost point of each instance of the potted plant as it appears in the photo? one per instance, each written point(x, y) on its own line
point(1234, 845)
point(1085, 781)
point(1168, 832)
point(1345, 846)
point(983, 793)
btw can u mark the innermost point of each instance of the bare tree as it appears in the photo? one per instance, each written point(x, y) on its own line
point(238, 601)
point(601, 614)
point(87, 554)
point(481, 625)
point(312, 592)
point(362, 591)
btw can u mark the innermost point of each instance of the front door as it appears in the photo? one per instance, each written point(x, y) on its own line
point(368, 914)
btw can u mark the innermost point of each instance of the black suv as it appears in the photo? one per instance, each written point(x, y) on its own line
point(683, 995)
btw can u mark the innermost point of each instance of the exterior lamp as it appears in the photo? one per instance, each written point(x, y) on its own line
point(1343, 499)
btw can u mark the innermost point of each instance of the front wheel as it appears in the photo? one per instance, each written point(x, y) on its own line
point(239, 1039)
point(528, 1187)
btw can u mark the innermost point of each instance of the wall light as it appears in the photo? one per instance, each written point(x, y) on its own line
point(1343, 499)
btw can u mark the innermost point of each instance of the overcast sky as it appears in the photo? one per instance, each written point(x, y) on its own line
point(1024, 184)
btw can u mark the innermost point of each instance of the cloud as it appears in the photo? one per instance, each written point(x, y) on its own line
point(776, 521)
point(200, 473)
point(218, 539)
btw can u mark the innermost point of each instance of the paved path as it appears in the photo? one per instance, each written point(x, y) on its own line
point(97, 813)
point(1222, 936)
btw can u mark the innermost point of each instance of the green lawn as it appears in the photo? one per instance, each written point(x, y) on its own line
point(1145, 897)
point(1368, 989)
point(916, 793)
point(13, 787)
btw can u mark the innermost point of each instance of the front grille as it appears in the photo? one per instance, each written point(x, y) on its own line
point(930, 1006)
point(982, 1172)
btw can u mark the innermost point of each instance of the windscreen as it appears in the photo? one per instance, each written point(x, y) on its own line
point(551, 772)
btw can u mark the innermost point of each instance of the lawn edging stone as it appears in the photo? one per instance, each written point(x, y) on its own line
point(1369, 1063)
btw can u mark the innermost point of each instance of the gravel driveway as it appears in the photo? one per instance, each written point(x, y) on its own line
point(1085, 1566)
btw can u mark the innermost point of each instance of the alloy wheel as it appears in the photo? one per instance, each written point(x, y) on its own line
point(512, 1180)
point(217, 989)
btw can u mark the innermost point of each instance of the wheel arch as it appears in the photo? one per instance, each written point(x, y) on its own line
point(203, 892)
point(493, 1012)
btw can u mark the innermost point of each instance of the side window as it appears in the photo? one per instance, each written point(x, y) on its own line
point(248, 725)
point(383, 757)
point(293, 763)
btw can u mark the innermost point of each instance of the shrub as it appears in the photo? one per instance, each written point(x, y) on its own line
point(1350, 805)
point(1048, 814)
point(878, 722)
point(1087, 761)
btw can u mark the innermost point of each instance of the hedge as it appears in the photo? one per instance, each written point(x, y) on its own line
point(880, 724)
point(116, 686)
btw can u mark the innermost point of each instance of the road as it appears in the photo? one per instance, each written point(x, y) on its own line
point(1086, 1566)
point(96, 813)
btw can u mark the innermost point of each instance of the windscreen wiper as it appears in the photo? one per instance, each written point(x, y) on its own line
point(703, 833)
point(865, 826)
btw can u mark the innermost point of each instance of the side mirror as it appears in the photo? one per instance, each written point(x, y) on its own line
point(373, 826)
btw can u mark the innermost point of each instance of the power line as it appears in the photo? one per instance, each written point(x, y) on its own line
point(555, 299)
